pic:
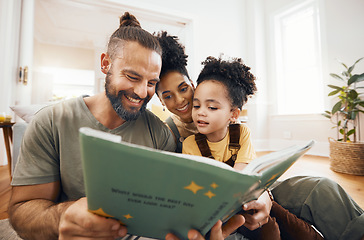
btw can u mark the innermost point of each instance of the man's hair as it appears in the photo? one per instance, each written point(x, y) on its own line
point(130, 30)
point(234, 74)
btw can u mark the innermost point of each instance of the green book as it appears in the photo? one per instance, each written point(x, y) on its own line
point(155, 192)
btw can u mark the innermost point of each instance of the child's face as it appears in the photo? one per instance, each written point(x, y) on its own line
point(212, 110)
point(175, 92)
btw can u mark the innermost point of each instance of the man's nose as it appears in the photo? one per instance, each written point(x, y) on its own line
point(141, 89)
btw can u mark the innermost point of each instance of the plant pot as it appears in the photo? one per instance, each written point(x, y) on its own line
point(347, 157)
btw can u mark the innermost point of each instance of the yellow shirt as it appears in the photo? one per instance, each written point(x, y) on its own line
point(220, 150)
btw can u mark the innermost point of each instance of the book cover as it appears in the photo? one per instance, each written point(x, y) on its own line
point(155, 192)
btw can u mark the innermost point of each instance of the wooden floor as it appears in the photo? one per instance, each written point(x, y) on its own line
point(307, 165)
point(5, 191)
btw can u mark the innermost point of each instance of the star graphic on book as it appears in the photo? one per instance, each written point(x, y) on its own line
point(127, 216)
point(214, 185)
point(210, 194)
point(101, 212)
point(193, 187)
point(273, 177)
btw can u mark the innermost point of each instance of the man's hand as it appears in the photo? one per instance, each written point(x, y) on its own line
point(218, 232)
point(78, 222)
point(261, 208)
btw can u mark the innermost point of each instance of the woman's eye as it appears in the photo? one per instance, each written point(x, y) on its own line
point(184, 89)
point(167, 97)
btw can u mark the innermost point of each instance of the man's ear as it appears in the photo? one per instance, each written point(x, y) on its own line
point(105, 62)
point(235, 113)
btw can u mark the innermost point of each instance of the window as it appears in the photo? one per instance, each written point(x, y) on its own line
point(68, 83)
point(298, 60)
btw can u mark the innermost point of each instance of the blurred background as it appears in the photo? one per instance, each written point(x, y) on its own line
point(50, 50)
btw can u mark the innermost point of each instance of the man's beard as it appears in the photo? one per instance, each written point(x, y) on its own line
point(118, 106)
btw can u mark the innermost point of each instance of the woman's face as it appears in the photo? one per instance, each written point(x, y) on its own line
point(176, 92)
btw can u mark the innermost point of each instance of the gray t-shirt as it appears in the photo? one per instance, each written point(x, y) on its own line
point(50, 149)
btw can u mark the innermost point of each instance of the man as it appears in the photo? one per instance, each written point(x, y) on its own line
point(48, 199)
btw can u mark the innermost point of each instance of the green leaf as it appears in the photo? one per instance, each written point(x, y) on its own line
point(342, 131)
point(352, 94)
point(352, 67)
point(335, 87)
point(336, 107)
point(345, 74)
point(326, 115)
point(356, 78)
point(333, 93)
point(352, 131)
point(358, 101)
point(336, 76)
point(342, 64)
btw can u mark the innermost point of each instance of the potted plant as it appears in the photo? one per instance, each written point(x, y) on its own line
point(347, 152)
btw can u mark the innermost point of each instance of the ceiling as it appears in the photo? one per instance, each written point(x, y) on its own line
point(88, 24)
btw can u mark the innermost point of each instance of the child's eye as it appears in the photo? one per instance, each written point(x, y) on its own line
point(213, 108)
point(196, 107)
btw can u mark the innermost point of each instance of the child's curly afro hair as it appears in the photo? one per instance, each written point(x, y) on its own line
point(234, 74)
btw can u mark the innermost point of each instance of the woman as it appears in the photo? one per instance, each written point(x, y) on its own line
point(175, 89)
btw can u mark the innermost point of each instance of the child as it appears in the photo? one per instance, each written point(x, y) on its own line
point(223, 87)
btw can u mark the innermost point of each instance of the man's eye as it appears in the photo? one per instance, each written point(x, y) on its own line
point(151, 84)
point(131, 77)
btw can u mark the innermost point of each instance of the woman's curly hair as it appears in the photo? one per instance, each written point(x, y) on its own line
point(234, 74)
point(173, 54)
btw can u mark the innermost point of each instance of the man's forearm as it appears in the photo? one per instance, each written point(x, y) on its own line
point(37, 219)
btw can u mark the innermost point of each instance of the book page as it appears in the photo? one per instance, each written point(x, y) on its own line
point(260, 164)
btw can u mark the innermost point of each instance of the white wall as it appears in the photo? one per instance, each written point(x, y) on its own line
point(9, 32)
point(342, 37)
point(218, 26)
